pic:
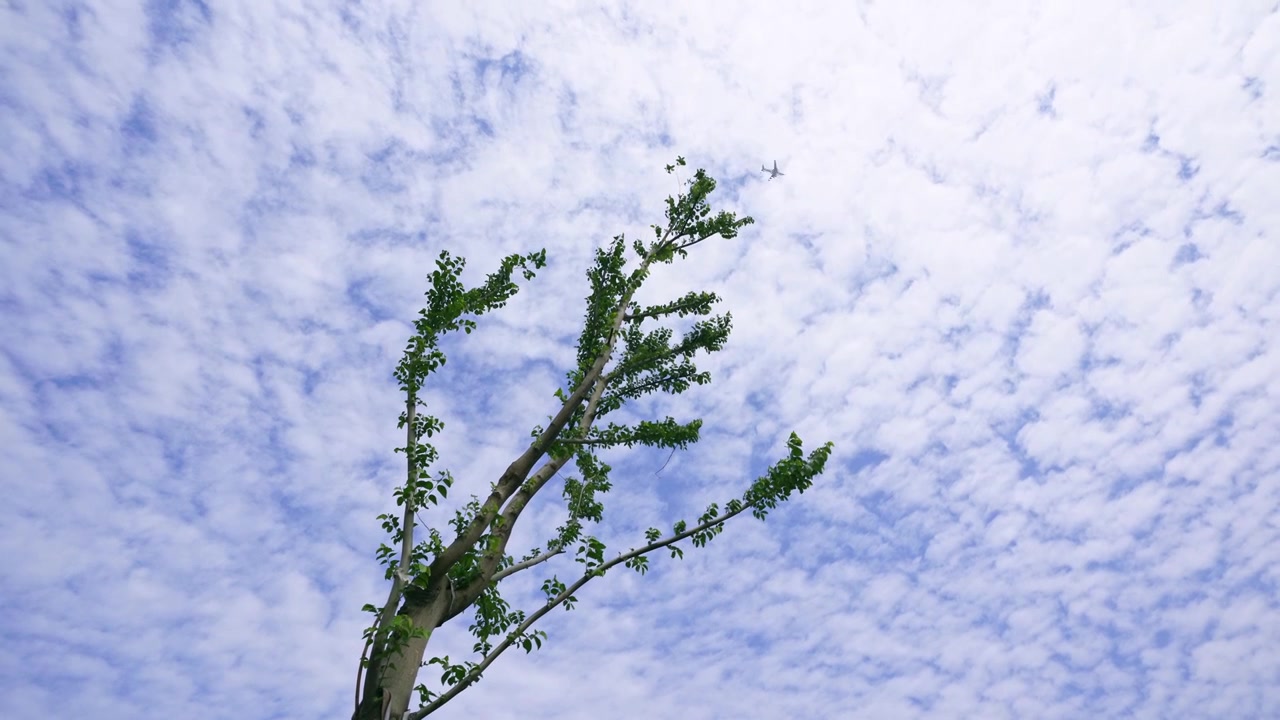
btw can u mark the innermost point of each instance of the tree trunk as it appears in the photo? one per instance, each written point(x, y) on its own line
point(397, 682)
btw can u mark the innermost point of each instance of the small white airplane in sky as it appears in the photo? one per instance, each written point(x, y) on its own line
point(772, 173)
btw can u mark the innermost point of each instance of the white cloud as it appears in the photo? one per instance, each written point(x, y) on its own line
point(1021, 269)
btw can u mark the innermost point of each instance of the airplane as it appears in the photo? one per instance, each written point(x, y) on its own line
point(772, 173)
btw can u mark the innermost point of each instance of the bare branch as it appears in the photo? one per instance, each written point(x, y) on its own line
point(526, 564)
point(664, 465)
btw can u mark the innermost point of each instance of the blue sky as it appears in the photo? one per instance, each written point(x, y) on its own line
point(1023, 269)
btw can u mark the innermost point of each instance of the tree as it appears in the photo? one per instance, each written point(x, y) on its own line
point(623, 353)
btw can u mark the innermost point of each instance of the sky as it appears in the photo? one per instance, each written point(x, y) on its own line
point(1023, 269)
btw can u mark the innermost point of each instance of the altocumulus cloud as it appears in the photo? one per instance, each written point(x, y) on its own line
point(1023, 269)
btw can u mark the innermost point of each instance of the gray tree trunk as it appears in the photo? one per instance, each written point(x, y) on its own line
point(397, 682)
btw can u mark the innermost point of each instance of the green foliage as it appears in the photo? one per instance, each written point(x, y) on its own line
point(639, 563)
point(793, 474)
point(591, 553)
point(694, 303)
point(552, 587)
point(401, 629)
point(608, 285)
point(447, 304)
point(452, 673)
point(689, 220)
point(702, 537)
point(493, 617)
point(666, 433)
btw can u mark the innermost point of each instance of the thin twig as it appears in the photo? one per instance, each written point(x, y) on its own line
point(664, 465)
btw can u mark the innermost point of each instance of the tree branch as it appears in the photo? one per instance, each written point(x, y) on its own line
point(401, 577)
point(643, 386)
point(519, 500)
point(558, 600)
point(676, 306)
point(514, 475)
point(691, 243)
point(526, 564)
